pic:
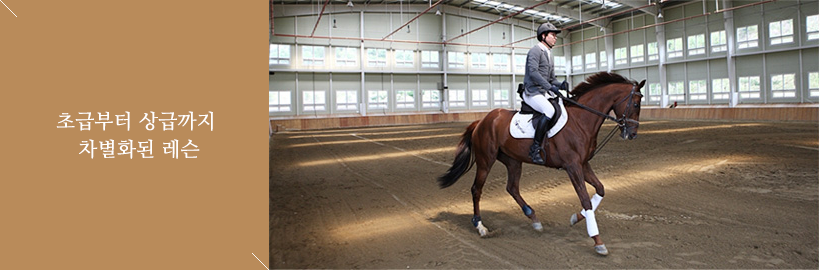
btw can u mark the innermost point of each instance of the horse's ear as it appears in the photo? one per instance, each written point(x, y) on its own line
point(640, 85)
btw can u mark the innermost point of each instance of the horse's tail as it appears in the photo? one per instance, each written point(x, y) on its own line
point(464, 159)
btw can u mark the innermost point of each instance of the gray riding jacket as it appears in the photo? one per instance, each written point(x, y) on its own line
point(539, 75)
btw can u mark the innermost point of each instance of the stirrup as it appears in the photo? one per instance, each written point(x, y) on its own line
point(535, 154)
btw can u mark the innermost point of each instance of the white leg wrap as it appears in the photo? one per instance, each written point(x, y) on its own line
point(596, 200)
point(592, 225)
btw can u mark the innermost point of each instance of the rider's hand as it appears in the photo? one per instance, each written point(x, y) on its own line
point(564, 85)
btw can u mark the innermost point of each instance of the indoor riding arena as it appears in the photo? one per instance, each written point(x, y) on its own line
point(707, 149)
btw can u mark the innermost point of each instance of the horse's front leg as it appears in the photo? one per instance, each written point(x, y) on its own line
point(576, 175)
point(513, 179)
point(589, 177)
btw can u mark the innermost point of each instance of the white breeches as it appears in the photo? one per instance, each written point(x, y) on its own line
point(540, 104)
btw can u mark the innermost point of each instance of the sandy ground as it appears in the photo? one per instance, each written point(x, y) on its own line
point(684, 194)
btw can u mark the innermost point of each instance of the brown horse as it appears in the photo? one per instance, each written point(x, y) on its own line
point(489, 139)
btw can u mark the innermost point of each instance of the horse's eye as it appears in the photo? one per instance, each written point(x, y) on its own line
point(637, 105)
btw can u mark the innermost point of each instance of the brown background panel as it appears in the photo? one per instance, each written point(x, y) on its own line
point(66, 210)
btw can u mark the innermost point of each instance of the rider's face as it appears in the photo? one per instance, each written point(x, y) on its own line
point(550, 39)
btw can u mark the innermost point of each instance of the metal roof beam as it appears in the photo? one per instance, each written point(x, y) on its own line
point(652, 10)
point(559, 10)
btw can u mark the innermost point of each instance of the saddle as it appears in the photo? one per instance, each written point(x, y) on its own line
point(536, 115)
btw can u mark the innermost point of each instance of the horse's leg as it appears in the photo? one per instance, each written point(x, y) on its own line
point(513, 177)
point(576, 175)
point(589, 177)
point(483, 166)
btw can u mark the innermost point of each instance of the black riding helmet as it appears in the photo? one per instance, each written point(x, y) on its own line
point(546, 28)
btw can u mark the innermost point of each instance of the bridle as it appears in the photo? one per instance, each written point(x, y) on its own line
point(621, 122)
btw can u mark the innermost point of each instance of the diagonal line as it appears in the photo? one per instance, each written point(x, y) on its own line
point(12, 12)
point(254, 255)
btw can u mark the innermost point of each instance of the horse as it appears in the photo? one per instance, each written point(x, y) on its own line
point(571, 149)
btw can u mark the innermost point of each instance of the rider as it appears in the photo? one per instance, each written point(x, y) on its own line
point(539, 81)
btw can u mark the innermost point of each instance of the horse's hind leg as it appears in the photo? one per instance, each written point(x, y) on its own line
point(513, 177)
point(483, 166)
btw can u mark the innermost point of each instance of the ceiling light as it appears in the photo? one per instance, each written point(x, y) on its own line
point(438, 12)
point(660, 15)
point(350, 3)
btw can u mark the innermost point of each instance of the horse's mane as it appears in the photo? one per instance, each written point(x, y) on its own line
point(597, 80)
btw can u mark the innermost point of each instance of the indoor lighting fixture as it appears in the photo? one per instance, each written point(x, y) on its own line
point(438, 12)
point(334, 23)
point(349, 3)
point(660, 15)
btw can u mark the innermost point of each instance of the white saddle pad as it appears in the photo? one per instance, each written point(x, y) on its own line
point(521, 126)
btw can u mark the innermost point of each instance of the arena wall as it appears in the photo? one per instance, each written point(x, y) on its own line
point(790, 113)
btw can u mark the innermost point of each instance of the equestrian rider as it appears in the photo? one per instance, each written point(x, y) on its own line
point(539, 81)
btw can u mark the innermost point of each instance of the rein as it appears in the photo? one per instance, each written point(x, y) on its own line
point(620, 121)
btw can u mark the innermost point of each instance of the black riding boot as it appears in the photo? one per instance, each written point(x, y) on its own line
point(540, 132)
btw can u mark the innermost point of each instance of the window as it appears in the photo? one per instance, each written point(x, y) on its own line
point(480, 97)
point(346, 100)
point(813, 27)
point(279, 54)
point(814, 84)
point(577, 62)
point(591, 62)
point(520, 61)
point(501, 97)
point(405, 99)
point(313, 55)
point(697, 90)
point(749, 87)
point(783, 86)
point(457, 98)
point(376, 57)
point(560, 64)
point(652, 51)
point(404, 58)
point(279, 101)
point(478, 60)
point(429, 59)
point(674, 48)
point(620, 56)
point(654, 92)
point(313, 100)
point(747, 37)
point(602, 57)
point(720, 88)
point(377, 99)
point(676, 92)
point(718, 40)
point(697, 44)
point(636, 52)
point(501, 61)
point(345, 56)
point(430, 98)
point(781, 32)
point(455, 59)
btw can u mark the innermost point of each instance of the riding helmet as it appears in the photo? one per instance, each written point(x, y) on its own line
point(546, 28)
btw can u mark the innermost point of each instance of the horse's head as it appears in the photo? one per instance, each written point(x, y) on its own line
point(628, 110)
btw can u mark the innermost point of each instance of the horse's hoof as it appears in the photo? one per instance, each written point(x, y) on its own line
point(573, 219)
point(538, 227)
point(482, 231)
point(601, 250)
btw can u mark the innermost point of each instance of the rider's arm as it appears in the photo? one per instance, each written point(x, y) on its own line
point(533, 59)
